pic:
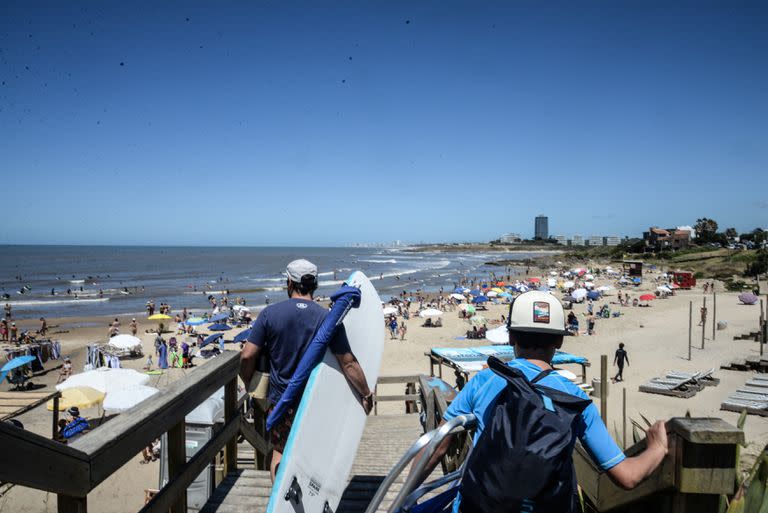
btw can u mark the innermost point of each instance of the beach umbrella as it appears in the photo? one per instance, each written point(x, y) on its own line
point(218, 317)
point(505, 294)
point(458, 290)
point(484, 286)
point(553, 273)
point(82, 397)
point(195, 321)
point(534, 280)
point(498, 335)
point(124, 341)
point(647, 297)
point(457, 296)
point(569, 299)
point(589, 285)
point(579, 294)
point(663, 288)
point(498, 290)
point(242, 336)
point(475, 292)
point(470, 309)
point(241, 308)
point(636, 280)
point(478, 320)
point(748, 298)
point(604, 288)
point(480, 299)
point(589, 277)
point(551, 282)
point(389, 310)
point(127, 398)
point(492, 293)
point(105, 379)
point(674, 286)
point(19, 361)
point(430, 312)
point(159, 317)
point(210, 339)
point(593, 294)
point(221, 326)
point(569, 284)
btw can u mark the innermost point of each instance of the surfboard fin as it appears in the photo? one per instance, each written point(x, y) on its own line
point(327, 508)
point(294, 492)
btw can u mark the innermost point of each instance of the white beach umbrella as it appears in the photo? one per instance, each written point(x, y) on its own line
point(430, 312)
point(604, 288)
point(553, 273)
point(491, 293)
point(241, 308)
point(579, 294)
point(589, 285)
point(498, 335)
point(127, 398)
point(569, 284)
point(551, 282)
point(457, 296)
point(124, 341)
point(389, 310)
point(105, 379)
point(664, 288)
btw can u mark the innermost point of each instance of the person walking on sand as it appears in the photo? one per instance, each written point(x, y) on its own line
point(43, 327)
point(619, 360)
point(14, 332)
point(703, 311)
point(508, 407)
point(8, 311)
point(284, 330)
point(4, 330)
point(403, 330)
point(393, 328)
point(133, 326)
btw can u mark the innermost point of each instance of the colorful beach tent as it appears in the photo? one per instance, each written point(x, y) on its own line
point(343, 300)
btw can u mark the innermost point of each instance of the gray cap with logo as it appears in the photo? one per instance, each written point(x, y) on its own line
point(299, 268)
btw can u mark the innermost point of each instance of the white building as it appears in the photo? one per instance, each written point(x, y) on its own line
point(612, 240)
point(561, 239)
point(595, 240)
point(510, 238)
point(577, 240)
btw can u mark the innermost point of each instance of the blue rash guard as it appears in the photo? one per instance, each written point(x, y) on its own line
point(480, 393)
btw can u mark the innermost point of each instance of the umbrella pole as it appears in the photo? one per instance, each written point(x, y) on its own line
point(55, 431)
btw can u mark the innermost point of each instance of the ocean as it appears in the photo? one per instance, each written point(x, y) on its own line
point(83, 281)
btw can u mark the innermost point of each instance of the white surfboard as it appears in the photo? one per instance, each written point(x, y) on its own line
point(330, 420)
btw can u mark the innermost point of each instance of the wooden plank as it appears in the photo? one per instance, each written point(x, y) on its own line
point(230, 412)
point(114, 443)
point(404, 397)
point(177, 457)
point(32, 402)
point(14, 395)
point(388, 380)
point(40, 463)
point(254, 438)
point(67, 504)
point(163, 500)
point(705, 430)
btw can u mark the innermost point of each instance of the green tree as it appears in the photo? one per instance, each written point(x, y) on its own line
point(731, 233)
point(760, 265)
point(706, 229)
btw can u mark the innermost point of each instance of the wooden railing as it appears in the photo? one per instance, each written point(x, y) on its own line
point(410, 397)
point(72, 471)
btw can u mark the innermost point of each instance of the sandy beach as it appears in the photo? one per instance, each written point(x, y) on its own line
point(656, 340)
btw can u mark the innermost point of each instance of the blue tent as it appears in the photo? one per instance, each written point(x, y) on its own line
point(211, 339)
point(219, 317)
point(242, 336)
point(343, 300)
point(593, 294)
point(222, 326)
point(475, 292)
point(480, 299)
point(458, 290)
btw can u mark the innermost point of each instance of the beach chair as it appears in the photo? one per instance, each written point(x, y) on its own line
point(738, 405)
point(755, 382)
point(704, 378)
point(675, 389)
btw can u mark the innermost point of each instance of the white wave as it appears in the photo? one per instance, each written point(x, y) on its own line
point(77, 281)
point(57, 301)
point(270, 280)
point(374, 261)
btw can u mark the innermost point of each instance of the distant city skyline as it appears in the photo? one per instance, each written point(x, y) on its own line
point(285, 124)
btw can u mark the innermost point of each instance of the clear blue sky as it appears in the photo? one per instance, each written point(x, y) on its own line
point(274, 123)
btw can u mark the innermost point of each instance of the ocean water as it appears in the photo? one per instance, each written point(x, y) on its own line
point(69, 281)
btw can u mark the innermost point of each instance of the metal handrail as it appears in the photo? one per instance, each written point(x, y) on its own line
point(455, 425)
point(429, 486)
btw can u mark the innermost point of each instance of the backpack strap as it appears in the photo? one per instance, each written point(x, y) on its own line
point(541, 375)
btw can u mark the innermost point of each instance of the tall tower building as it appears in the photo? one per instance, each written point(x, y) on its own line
point(542, 227)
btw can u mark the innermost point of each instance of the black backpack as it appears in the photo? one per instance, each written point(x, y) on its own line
point(523, 460)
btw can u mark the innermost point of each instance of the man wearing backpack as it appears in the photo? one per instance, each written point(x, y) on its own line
point(528, 419)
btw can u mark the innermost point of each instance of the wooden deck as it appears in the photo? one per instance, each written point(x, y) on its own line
point(384, 441)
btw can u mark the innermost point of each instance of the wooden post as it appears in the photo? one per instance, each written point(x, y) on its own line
point(714, 314)
point(67, 504)
point(55, 432)
point(604, 388)
point(230, 410)
point(690, 327)
point(624, 418)
point(375, 402)
point(761, 337)
point(703, 324)
point(177, 457)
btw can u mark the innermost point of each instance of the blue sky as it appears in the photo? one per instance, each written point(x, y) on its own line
point(275, 123)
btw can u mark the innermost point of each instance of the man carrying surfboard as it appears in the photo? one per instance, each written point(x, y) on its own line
point(528, 419)
point(284, 330)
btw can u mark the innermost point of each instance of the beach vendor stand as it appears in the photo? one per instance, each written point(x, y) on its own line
point(633, 269)
point(473, 359)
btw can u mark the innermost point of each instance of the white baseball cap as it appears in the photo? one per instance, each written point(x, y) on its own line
point(537, 312)
point(299, 268)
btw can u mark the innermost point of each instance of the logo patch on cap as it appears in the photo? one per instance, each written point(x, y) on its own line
point(541, 312)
